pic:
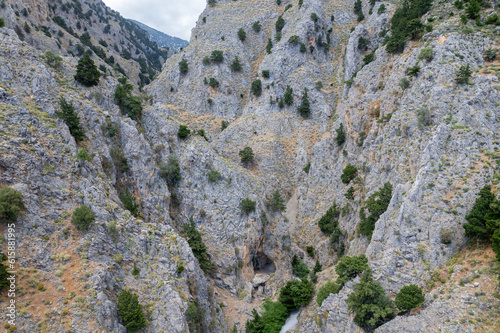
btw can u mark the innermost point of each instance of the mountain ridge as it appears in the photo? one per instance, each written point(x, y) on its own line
point(161, 38)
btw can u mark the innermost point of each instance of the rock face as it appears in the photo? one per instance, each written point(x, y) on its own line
point(74, 27)
point(435, 167)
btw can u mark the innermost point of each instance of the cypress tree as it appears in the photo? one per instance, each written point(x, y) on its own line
point(130, 311)
point(87, 72)
point(304, 108)
point(70, 118)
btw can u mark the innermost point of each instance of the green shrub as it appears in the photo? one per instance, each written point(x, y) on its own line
point(426, 53)
point(277, 202)
point(280, 23)
point(288, 97)
point(368, 58)
point(128, 104)
point(318, 85)
point(194, 314)
point(87, 72)
point(463, 74)
point(213, 176)
point(446, 236)
point(71, 119)
point(180, 269)
point(350, 193)
point(136, 271)
point(269, 46)
point(490, 55)
point(273, 318)
point(314, 17)
point(256, 26)
point(170, 172)
point(82, 218)
point(404, 83)
point(363, 43)
point(265, 74)
point(349, 267)
point(413, 71)
point(348, 174)
point(493, 19)
point(2, 23)
point(213, 82)
point(303, 48)
point(328, 223)
point(247, 206)
point(340, 139)
point(83, 155)
point(481, 219)
point(423, 117)
point(409, 297)
point(236, 64)
point(223, 125)
point(381, 9)
point(304, 107)
point(369, 302)
point(3, 272)
point(293, 40)
point(112, 230)
point(130, 311)
point(296, 293)
point(242, 35)
point(183, 66)
point(196, 243)
point(376, 204)
point(53, 60)
point(310, 251)
point(119, 159)
point(129, 203)
point(358, 10)
point(325, 291)
point(11, 203)
point(256, 87)
point(183, 132)
point(246, 155)
point(299, 268)
point(473, 9)
point(206, 60)
point(217, 56)
point(495, 242)
point(307, 167)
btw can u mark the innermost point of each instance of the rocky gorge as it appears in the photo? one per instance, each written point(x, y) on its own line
point(433, 139)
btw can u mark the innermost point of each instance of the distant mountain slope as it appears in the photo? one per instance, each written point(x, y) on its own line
point(162, 39)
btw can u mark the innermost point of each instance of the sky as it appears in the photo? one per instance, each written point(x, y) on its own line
point(173, 17)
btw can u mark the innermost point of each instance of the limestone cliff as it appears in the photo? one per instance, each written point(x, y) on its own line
point(436, 168)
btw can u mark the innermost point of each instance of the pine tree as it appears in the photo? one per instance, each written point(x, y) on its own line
point(340, 135)
point(87, 72)
point(463, 74)
point(3, 271)
point(369, 302)
point(197, 245)
point(236, 64)
point(288, 97)
point(129, 203)
point(183, 66)
point(71, 119)
point(304, 108)
point(130, 311)
point(278, 203)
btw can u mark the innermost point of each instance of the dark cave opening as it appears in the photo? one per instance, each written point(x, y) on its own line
point(262, 263)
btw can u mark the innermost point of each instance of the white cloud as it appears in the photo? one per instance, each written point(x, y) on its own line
point(175, 18)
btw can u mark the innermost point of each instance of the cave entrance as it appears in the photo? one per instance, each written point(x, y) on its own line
point(262, 264)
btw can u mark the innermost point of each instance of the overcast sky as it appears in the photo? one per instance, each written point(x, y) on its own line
point(173, 17)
